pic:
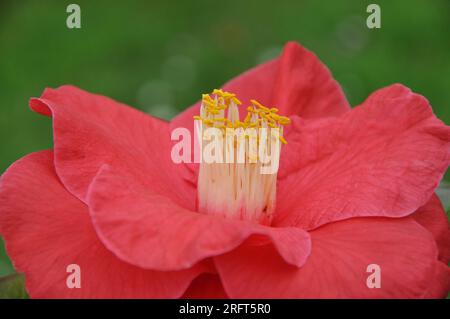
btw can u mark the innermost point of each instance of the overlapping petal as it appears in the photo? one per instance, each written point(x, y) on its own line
point(151, 231)
point(92, 130)
point(47, 229)
point(432, 216)
point(337, 267)
point(384, 158)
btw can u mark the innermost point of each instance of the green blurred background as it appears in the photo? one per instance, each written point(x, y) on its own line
point(159, 56)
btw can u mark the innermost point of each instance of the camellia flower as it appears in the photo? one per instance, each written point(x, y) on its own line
point(354, 189)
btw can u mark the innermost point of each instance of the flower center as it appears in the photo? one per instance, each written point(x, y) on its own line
point(238, 170)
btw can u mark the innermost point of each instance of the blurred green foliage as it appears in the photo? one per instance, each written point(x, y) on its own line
point(13, 287)
point(159, 56)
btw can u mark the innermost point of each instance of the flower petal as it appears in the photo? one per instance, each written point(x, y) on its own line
point(305, 87)
point(91, 130)
point(151, 231)
point(384, 158)
point(337, 266)
point(46, 229)
point(432, 216)
point(206, 286)
point(439, 286)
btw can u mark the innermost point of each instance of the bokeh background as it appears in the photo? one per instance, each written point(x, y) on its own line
point(159, 56)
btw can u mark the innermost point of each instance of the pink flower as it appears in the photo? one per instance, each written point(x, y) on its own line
point(354, 188)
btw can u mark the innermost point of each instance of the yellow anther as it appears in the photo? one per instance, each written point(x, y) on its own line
point(283, 120)
point(228, 95)
point(213, 111)
point(282, 139)
point(218, 92)
point(209, 103)
point(236, 101)
point(254, 102)
point(257, 116)
point(276, 117)
point(238, 124)
point(270, 119)
point(262, 114)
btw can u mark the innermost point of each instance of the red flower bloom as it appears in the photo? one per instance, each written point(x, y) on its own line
point(355, 187)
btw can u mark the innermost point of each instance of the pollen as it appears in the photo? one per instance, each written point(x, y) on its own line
point(237, 175)
point(214, 109)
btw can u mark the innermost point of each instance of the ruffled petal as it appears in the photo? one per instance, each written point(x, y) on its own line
point(338, 264)
point(151, 231)
point(304, 86)
point(46, 229)
point(432, 216)
point(92, 130)
point(384, 158)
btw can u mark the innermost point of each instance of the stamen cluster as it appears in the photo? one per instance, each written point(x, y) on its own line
point(213, 113)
